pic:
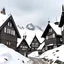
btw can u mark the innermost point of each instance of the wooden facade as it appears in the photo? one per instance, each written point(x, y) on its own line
point(52, 40)
point(34, 44)
point(9, 33)
point(61, 25)
point(23, 48)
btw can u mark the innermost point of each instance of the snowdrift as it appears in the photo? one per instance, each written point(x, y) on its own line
point(9, 56)
point(54, 54)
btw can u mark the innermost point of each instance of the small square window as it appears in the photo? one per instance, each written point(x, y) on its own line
point(50, 30)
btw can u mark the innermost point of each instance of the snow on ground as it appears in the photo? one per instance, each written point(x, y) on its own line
point(9, 56)
point(29, 35)
point(33, 54)
point(54, 54)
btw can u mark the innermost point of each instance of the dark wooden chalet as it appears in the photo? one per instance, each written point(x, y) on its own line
point(35, 44)
point(62, 23)
point(23, 47)
point(8, 30)
point(52, 35)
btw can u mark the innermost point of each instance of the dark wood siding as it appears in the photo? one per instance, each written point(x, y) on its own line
point(35, 44)
point(21, 49)
point(5, 37)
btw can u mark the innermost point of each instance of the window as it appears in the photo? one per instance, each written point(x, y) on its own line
point(12, 32)
point(35, 39)
point(53, 35)
point(4, 29)
point(8, 43)
point(46, 37)
point(60, 39)
point(50, 30)
point(33, 45)
point(8, 30)
point(36, 44)
point(9, 24)
point(32, 48)
point(21, 46)
point(50, 36)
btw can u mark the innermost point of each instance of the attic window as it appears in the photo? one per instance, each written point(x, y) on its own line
point(50, 30)
point(9, 24)
point(35, 39)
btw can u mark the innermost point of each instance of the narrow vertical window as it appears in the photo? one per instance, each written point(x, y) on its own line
point(13, 32)
point(4, 29)
point(8, 23)
point(53, 35)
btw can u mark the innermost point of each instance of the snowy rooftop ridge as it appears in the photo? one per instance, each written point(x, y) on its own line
point(3, 18)
point(56, 28)
point(30, 34)
point(41, 46)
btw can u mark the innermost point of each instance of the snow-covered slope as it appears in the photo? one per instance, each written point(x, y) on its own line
point(30, 31)
point(33, 54)
point(54, 54)
point(9, 56)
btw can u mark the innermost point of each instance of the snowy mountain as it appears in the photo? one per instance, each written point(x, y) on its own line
point(33, 27)
point(54, 54)
point(9, 56)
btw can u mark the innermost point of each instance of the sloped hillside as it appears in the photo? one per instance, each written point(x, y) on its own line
point(9, 56)
point(54, 54)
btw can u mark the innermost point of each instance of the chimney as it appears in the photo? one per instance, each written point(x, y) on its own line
point(24, 36)
point(48, 22)
point(3, 11)
point(56, 23)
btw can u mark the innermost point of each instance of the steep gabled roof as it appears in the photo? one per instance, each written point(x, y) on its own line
point(54, 27)
point(4, 20)
point(62, 17)
point(25, 42)
point(30, 34)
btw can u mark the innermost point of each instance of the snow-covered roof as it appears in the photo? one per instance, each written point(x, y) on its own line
point(33, 54)
point(30, 34)
point(3, 18)
point(56, 28)
point(41, 46)
point(50, 44)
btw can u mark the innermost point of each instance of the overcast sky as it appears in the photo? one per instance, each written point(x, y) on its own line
point(37, 12)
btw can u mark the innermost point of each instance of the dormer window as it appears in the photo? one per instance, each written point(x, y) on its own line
point(50, 30)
